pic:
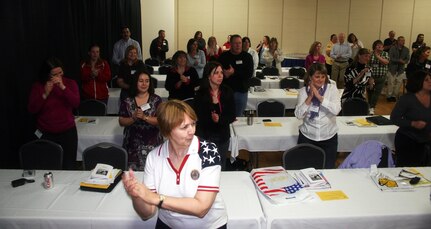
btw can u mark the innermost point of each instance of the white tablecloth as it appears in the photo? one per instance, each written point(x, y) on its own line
point(106, 129)
point(258, 138)
point(288, 99)
point(113, 105)
point(366, 206)
point(66, 206)
point(273, 82)
point(161, 79)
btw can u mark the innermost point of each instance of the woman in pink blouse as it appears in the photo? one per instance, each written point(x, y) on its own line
point(314, 55)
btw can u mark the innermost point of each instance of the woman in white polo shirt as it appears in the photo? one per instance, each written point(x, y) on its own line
point(318, 105)
point(181, 176)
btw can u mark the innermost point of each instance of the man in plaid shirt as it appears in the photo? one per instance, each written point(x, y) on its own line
point(379, 63)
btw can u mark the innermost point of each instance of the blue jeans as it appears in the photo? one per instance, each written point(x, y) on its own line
point(240, 103)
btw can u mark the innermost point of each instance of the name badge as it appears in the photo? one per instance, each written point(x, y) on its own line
point(238, 62)
point(314, 108)
point(132, 72)
point(145, 107)
point(427, 66)
point(368, 74)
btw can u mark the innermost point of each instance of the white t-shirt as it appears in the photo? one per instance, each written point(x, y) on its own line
point(200, 171)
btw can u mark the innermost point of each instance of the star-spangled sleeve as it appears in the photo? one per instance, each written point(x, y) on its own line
point(211, 169)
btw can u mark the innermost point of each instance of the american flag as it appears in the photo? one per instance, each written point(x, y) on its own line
point(208, 153)
point(275, 181)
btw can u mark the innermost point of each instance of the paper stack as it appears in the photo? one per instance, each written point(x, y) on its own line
point(102, 176)
point(311, 179)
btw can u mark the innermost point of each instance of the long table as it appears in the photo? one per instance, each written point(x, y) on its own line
point(66, 206)
point(366, 206)
point(258, 138)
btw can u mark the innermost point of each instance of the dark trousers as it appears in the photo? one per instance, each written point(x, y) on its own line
point(373, 95)
point(328, 69)
point(329, 146)
point(410, 153)
point(69, 142)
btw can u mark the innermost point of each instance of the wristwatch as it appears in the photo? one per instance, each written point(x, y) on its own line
point(161, 199)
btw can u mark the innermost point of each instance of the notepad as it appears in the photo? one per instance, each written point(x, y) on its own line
point(332, 195)
point(362, 122)
point(272, 124)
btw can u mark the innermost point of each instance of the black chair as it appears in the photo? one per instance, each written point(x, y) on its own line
point(260, 75)
point(41, 154)
point(149, 69)
point(105, 153)
point(152, 62)
point(355, 107)
point(254, 81)
point(92, 107)
point(289, 82)
point(113, 83)
point(154, 81)
point(298, 72)
point(302, 156)
point(168, 61)
point(190, 101)
point(270, 71)
point(270, 108)
point(164, 69)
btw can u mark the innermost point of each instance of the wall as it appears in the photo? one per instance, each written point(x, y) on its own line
point(295, 23)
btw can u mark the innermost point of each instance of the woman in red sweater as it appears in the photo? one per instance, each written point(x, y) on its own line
point(52, 100)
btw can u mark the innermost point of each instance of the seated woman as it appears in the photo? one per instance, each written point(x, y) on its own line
point(419, 61)
point(52, 100)
point(314, 55)
point(128, 67)
point(358, 76)
point(182, 176)
point(95, 74)
point(273, 56)
point(412, 113)
point(195, 57)
point(138, 116)
point(318, 105)
point(181, 80)
point(214, 104)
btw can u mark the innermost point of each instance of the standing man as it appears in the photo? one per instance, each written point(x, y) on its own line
point(398, 58)
point(390, 41)
point(121, 45)
point(159, 46)
point(237, 69)
point(340, 53)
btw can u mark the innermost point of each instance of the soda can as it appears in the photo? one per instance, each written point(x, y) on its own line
point(48, 180)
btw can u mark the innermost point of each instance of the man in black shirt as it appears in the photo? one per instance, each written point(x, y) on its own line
point(237, 70)
point(159, 46)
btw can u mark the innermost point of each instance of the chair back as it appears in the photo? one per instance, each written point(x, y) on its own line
point(113, 83)
point(270, 71)
point(168, 61)
point(289, 82)
point(190, 101)
point(368, 153)
point(152, 62)
point(149, 69)
point(354, 107)
point(106, 153)
point(270, 108)
point(254, 81)
point(164, 69)
point(41, 154)
point(298, 72)
point(92, 107)
point(303, 156)
point(154, 81)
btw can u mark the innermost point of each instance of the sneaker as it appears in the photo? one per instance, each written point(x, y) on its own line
point(371, 111)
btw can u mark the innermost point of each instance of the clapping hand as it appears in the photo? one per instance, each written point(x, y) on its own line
point(58, 81)
point(134, 188)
